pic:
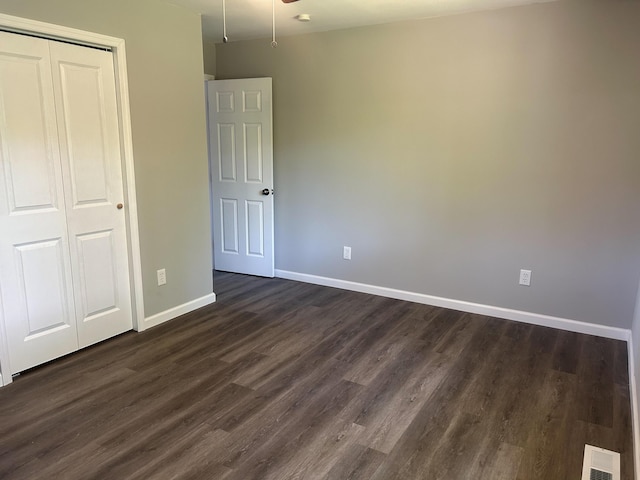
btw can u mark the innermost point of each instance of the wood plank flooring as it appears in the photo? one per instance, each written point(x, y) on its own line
point(282, 380)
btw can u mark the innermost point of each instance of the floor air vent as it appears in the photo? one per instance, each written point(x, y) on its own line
point(600, 464)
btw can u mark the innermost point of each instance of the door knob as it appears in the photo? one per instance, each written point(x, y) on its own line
point(120, 206)
point(265, 191)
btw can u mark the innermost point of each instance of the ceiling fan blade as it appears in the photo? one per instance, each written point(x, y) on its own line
point(289, 1)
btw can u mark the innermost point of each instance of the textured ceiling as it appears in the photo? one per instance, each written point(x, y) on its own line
point(252, 18)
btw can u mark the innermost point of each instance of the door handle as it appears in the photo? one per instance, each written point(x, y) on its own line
point(266, 191)
point(120, 206)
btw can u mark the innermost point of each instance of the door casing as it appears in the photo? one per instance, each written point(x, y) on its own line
point(117, 46)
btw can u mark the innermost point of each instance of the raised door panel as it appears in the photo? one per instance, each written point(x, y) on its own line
point(229, 235)
point(39, 312)
point(30, 168)
point(35, 267)
point(227, 170)
point(43, 286)
point(253, 163)
point(86, 134)
point(97, 275)
point(254, 214)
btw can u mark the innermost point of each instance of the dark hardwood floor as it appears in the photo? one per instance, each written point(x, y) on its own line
point(283, 380)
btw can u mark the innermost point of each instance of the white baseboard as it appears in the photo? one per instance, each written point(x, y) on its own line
point(634, 406)
point(470, 307)
point(174, 312)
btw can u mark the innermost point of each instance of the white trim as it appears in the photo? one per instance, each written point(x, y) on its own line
point(470, 307)
point(133, 232)
point(210, 170)
point(5, 368)
point(635, 424)
point(174, 312)
point(117, 46)
point(27, 25)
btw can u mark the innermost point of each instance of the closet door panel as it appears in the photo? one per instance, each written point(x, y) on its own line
point(35, 265)
point(84, 87)
point(97, 276)
point(43, 287)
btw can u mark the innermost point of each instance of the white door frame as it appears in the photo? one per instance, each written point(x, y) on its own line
point(117, 46)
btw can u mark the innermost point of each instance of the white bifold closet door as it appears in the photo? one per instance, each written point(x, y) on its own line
point(64, 279)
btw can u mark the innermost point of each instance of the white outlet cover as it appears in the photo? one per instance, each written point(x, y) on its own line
point(525, 278)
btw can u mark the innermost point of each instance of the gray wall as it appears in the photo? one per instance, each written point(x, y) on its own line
point(164, 59)
point(451, 152)
point(209, 52)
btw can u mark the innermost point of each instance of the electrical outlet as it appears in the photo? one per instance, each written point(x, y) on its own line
point(525, 277)
point(162, 277)
point(346, 253)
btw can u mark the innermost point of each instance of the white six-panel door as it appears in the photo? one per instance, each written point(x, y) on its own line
point(241, 151)
point(64, 276)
